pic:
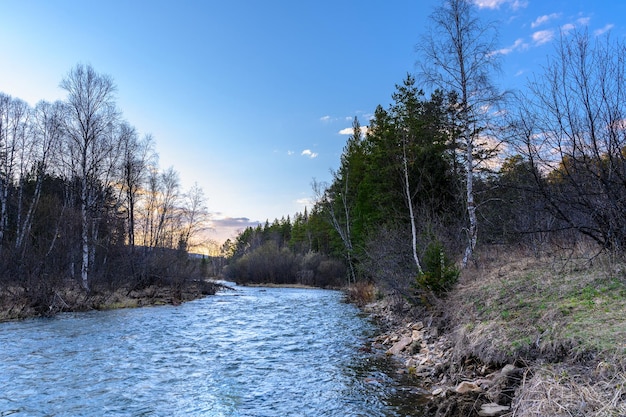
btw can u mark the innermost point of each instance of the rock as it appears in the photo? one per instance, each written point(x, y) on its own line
point(507, 369)
point(417, 326)
point(437, 391)
point(417, 335)
point(484, 383)
point(465, 387)
point(400, 345)
point(492, 410)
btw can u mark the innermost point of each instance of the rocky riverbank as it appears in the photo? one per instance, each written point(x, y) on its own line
point(502, 344)
point(426, 355)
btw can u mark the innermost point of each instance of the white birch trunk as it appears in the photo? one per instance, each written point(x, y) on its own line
point(471, 206)
point(409, 202)
point(84, 269)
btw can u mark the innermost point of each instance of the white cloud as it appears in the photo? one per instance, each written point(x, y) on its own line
point(305, 201)
point(544, 19)
point(519, 4)
point(350, 131)
point(495, 4)
point(566, 28)
point(583, 21)
point(290, 153)
point(518, 44)
point(543, 36)
point(488, 4)
point(325, 118)
point(605, 29)
point(309, 153)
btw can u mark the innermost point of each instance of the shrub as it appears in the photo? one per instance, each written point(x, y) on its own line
point(440, 274)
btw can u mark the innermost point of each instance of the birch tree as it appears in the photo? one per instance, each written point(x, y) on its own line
point(46, 133)
point(406, 111)
point(458, 55)
point(137, 155)
point(195, 217)
point(92, 115)
point(338, 199)
point(14, 115)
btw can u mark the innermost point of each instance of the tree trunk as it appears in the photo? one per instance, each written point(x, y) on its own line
point(409, 202)
point(84, 268)
point(471, 206)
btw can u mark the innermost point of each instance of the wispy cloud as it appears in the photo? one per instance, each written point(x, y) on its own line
point(305, 201)
point(605, 29)
point(544, 19)
point(519, 4)
point(350, 131)
point(518, 44)
point(309, 153)
point(236, 222)
point(325, 119)
point(581, 21)
point(542, 36)
point(495, 4)
point(566, 28)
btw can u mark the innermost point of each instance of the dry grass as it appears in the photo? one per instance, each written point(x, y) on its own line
point(361, 293)
point(514, 304)
point(567, 391)
point(562, 317)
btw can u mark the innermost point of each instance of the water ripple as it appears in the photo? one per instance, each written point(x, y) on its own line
point(256, 352)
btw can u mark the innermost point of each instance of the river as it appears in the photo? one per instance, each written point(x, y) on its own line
point(250, 352)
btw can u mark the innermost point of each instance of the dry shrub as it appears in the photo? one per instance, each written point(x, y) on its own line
point(361, 293)
point(567, 391)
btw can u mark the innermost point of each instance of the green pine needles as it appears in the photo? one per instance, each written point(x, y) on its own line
point(440, 273)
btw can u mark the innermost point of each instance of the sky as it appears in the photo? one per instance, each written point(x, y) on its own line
point(253, 100)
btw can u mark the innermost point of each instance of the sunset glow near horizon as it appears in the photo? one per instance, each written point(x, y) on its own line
point(253, 100)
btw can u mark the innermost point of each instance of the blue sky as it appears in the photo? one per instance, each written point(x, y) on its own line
point(251, 99)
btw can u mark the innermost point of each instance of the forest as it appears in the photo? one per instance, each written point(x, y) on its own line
point(83, 202)
point(436, 176)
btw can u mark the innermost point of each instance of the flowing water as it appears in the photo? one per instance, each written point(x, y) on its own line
point(251, 352)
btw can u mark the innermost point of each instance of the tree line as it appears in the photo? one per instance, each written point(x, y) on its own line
point(82, 198)
point(433, 175)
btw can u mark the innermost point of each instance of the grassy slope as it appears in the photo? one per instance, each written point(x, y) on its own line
point(563, 315)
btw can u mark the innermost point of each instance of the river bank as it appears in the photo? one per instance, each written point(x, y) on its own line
point(19, 303)
point(519, 336)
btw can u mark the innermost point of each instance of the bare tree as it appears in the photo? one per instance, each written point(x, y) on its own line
point(46, 133)
point(136, 157)
point(160, 209)
point(572, 130)
point(195, 217)
point(336, 199)
point(458, 55)
point(14, 115)
point(335, 203)
point(92, 116)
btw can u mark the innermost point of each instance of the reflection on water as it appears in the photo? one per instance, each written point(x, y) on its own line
point(253, 352)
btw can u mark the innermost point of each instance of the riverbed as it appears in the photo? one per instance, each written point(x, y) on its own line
point(250, 352)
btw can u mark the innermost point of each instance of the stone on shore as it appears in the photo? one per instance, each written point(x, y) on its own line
point(400, 345)
point(465, 387)
point(492, 410)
